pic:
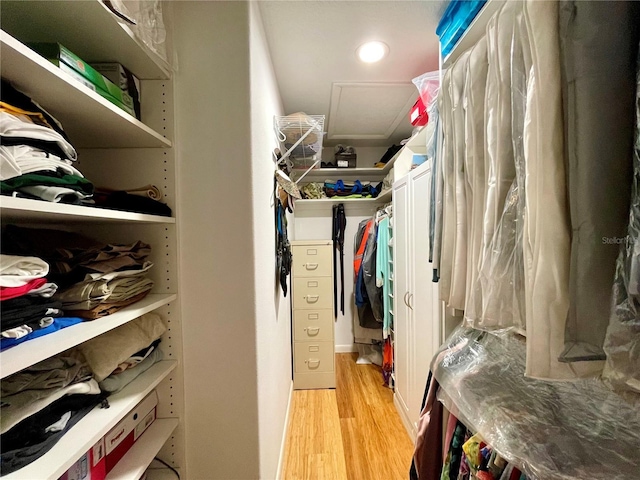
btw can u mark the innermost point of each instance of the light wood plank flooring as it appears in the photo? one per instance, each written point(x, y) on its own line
point(351, 433)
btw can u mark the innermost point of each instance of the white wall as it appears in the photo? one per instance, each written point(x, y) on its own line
point(273, 321)
point(316, 225)
point(217, 291)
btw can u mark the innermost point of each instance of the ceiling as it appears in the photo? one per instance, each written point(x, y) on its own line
point(313, 49)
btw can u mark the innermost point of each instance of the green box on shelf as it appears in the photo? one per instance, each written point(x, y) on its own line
point(67, 61)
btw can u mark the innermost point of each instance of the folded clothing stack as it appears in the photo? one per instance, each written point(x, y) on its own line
point(95, 279)
point(141, 200)
point(355, 189)
point(28, 309)
point(40, 404)
point(36, 158)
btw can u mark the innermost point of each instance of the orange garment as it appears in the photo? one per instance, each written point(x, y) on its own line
point(357, 260)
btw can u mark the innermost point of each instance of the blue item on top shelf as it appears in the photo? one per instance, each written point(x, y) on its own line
point(455, 21)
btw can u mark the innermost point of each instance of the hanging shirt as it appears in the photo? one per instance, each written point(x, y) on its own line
point(383, 273)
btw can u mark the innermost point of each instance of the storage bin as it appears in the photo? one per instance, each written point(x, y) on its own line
point(310, 128)
point(455, 21)
point(345, 157)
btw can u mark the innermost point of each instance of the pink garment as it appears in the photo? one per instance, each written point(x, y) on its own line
point(428, 452)
point(7, 293)
point(451, 426)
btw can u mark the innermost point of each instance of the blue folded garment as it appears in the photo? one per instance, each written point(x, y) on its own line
point(58, 324)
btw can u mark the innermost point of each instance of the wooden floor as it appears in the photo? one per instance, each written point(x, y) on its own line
point(353, 432)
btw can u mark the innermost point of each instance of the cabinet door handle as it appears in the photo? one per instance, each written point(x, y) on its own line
point(410, 303)
point(313, 363)
point(311, 266)
point(312, 331)
point(312, 298)
point(405, 299)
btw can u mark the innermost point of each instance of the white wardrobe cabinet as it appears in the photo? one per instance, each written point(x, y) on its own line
point(417, 319)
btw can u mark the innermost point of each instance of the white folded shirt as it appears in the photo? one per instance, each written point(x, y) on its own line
point(16, 271)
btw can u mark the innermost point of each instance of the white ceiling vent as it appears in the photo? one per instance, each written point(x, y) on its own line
point(368, 111)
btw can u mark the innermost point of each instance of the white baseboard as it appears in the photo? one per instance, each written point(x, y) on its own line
point(283, 444)
point(346, 348)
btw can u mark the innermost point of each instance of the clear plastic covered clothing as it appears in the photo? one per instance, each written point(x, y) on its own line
point(447, 223)
point(369, 260)
point(622, 342)
point(501, 273)
point(476, 84)
point(598, 95)
point(574, 430)
point(149, 22)
point(459, 212)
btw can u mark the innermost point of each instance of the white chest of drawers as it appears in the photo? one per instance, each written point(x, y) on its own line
point(312, 315)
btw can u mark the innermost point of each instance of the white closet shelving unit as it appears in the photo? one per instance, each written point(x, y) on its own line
point(116, 151)
point(402, 160)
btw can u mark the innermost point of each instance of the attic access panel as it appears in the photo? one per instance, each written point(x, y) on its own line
point(368, 111)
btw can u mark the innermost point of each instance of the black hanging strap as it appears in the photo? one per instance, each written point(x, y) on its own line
point(339, 225)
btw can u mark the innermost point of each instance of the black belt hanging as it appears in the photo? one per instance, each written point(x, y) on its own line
point(339, 225)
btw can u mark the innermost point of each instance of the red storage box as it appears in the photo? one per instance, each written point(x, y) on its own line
point(120, 439)
point(91, 466)
point(418, 114)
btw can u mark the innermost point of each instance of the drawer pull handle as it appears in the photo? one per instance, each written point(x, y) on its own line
point(312, 331)
point(312, 298)
point(311, 266)
point(313, 363)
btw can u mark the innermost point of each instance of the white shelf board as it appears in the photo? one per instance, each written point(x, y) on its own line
point(21, 209)
point(33, 351)
point(475, 31)
point(133, 465)
point(82, 436)
point(385, 197)
point(89, 120)
point(96, 36)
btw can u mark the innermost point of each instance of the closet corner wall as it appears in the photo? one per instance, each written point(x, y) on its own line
point(115, 150)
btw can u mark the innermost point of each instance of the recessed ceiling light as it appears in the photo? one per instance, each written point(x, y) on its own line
point(371, 52)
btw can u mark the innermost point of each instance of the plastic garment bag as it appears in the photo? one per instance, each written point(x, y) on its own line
point(475, 172)
point(499, 165)
point(502, 272)
point(369, 274)
point(447, 229)
point(457, 180)
point(552, 430)
point(622, 343)
point(598, 94)
point(546, 231)
point(366, 318)
point(438, 183)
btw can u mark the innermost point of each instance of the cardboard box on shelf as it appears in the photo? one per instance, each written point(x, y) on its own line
point(67, 61)
point(122, 78)
point(120, 439)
